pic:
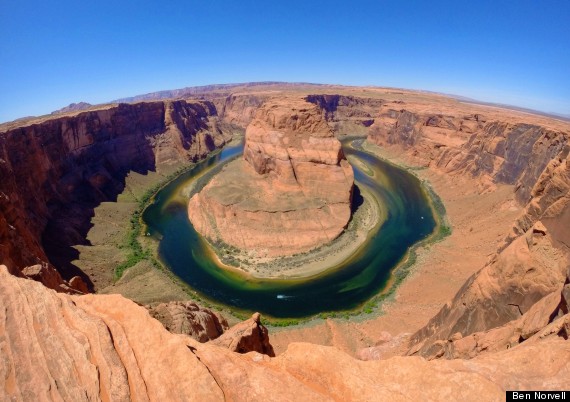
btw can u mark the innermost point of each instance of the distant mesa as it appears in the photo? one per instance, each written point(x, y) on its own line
point(289, 194)
point(73, 107)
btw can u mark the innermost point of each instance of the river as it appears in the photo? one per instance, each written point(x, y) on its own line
point(410, 219)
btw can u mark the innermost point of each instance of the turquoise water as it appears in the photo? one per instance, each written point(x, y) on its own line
point(181, 249)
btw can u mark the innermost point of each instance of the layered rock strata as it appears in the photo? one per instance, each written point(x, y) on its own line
point(510, 319)
point(495, 148)
point(53, 173)
point(290, 193)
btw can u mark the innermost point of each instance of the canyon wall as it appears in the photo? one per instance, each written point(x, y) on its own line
point(55, 172)
point(524, 288)
point(498, 150)
point(518, 293)
point(239, 110)
point(347, 114)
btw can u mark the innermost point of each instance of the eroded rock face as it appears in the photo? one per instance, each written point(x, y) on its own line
point(519, 291)
point(290, 194)
point(497, 149)
point(550, 201)
point(487, 310)
point(247, 336)
point(48, 276)
point(511, 319)
point(239, 110)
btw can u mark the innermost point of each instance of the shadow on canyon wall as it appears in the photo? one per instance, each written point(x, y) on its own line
point(57, 172)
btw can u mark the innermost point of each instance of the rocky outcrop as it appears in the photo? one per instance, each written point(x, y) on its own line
point(528, 270)
point(49, 277)
point(546, 318)
point(99, 347)
point(55, 172)
point(247, 336)
point(550, 201)
point(290, 194)
point(508, 153)
point(525, 278)
point(511, 319)
point(190, 319)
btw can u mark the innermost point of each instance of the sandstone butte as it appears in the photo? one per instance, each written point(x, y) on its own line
point(505, 328)
point(291, 192)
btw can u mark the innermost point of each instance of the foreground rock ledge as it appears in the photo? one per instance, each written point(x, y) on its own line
point(291, 192)
point(105, 347)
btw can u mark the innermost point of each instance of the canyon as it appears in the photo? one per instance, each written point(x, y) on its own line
point(484, 310)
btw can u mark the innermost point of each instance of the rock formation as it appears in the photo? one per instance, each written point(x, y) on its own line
point(190, 319)
point(290, 194)
point(517, 295)
point(204, 325)
point(348, 114)
point(519, 292)
point(105, 347)
point(247, 336)
point(494, 148)
point(49, 276)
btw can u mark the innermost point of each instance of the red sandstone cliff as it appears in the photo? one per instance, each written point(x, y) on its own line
point(54, 172)
point(523, 288)
point(510, 319)
point(496, 148)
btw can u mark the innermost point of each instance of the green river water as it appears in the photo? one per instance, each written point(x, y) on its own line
point(366, 273)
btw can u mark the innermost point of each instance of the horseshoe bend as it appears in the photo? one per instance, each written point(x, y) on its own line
point(89, 310)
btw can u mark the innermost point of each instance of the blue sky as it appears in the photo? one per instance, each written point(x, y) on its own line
point(514, 52)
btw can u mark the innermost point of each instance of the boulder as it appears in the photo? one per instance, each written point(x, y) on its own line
point(247, 336)
point(190, 319)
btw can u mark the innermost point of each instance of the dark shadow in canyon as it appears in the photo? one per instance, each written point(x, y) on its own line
point(70, 223)
point(55, 173)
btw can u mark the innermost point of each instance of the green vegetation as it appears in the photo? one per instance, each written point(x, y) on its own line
point(136, 252)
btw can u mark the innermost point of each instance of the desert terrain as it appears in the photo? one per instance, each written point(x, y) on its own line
point(482, 310)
